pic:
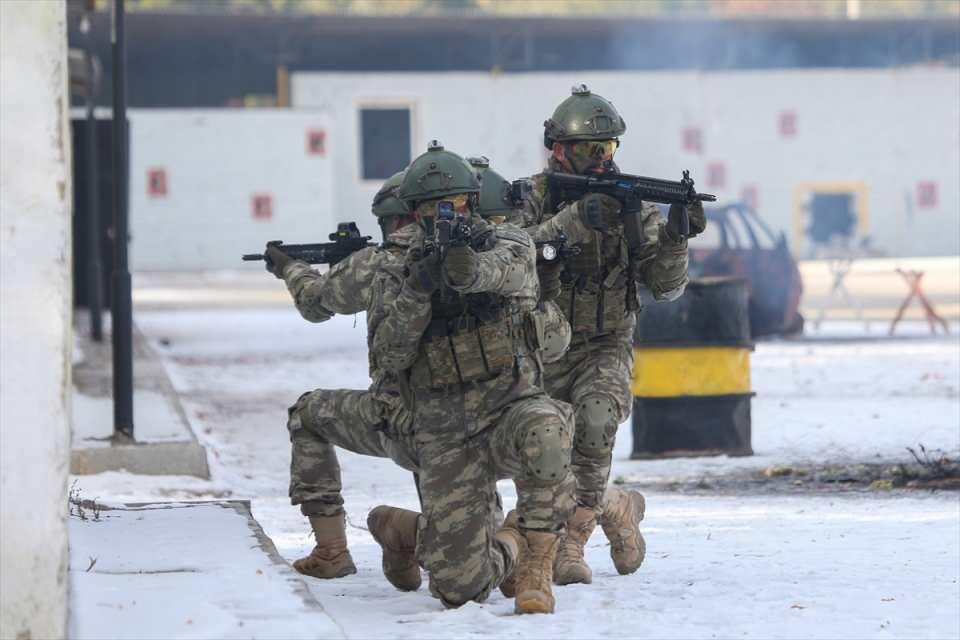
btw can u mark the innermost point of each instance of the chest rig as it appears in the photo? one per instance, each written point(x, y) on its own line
point(597, 292)
point(471, 337)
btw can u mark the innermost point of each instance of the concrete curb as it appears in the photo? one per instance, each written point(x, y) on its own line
point(184, 456)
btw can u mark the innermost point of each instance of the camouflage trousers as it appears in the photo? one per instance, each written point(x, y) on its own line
point(457, 466)
point(594, 376)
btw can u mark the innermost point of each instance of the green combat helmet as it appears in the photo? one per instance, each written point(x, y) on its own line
point(583, 116)
point(495, 197)
point(386, 203)
point(435, 174)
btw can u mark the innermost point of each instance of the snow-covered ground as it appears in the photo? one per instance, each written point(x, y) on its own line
point(878, 564)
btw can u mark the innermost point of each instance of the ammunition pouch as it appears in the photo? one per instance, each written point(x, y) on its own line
point(593, 308)
point(466, 349)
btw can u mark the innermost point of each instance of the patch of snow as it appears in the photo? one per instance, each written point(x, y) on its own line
point(155, 418)
point(873, 565)
point(182, 571)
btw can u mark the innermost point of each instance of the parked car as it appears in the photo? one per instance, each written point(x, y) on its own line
point(738, 243)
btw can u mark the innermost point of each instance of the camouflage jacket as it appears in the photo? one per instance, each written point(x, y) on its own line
point(399, 316)
point(347, 287)
point(598, 295)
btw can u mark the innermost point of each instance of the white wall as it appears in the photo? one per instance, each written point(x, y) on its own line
point(35, 319)
point(885, 128)
point(215, 161)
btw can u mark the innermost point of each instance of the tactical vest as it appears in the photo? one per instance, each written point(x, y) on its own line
point(597, 295)
point(474, 337)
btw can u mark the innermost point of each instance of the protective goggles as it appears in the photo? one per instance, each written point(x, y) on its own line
point(457, 203)
point(598, 149)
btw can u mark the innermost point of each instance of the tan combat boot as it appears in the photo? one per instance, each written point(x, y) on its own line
point(514, 542)
point(532, 576)
point(622, 513)
point(570, 567)
point(330, 558)
point(395, 530)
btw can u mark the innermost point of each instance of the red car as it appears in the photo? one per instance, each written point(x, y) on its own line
point(738, 243)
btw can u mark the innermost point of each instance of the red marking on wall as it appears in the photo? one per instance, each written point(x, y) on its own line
point(927, 194)
point(750, 196)
point(693, 139)
point(317, 142)
point(157, 182)
point(716, 175)
point(787, 123)
point(262, 206)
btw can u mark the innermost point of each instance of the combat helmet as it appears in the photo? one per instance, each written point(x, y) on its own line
point(583, 116)
point(435, 174)
point(495, 195)
point(386, 203)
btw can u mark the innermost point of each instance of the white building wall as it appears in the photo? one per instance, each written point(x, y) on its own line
point(885, 129)
point(215, 162)
point(35, 195)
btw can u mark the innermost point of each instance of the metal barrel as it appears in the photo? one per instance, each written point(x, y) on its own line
point(691, 377)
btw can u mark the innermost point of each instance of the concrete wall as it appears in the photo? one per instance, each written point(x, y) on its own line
point(35, 317)
point(876, 132)
point(214, 163)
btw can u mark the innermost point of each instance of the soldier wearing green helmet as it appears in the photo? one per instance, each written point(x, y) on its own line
point(359, 419)
point(461, 336)
point(598, 295)
point(494, 202)
point(498, 205)
point(390, 211)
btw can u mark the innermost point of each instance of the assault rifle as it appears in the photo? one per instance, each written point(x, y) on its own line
point(450, 230)
point(549, 250)
point(345, 241)
point(632, 192)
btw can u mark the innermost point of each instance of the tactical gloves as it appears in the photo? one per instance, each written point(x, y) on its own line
point(461, 266)
point(423, 275)
point(600, 212)
point(276, 260)
point(695, 215)
point(549, 275)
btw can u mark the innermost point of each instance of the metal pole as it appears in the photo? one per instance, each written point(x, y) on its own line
point(121, 307)
point(94, 268)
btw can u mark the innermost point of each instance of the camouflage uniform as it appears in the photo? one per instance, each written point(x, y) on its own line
point(497, 424)
point(599, 299)
point(471, 379)
point(356, 420)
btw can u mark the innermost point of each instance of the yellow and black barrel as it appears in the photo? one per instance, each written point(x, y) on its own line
point(691, 376)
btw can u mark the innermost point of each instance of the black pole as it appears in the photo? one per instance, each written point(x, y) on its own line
point(94, 268)
point(121, 307)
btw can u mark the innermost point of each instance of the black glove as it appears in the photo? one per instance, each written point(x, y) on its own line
point(696, 221)
point(600, 211)
point(276, 260)
point(549, 275)
point(423, 275)
point(461, 265)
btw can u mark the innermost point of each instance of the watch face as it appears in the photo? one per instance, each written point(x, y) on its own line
point(548, 251)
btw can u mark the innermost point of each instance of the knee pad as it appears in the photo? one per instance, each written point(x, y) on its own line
point(294, 414)
point(546, 449)
point(596, 425)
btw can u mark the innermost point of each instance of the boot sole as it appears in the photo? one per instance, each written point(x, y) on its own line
point(638, 511)
point(533, 605)
point(340, 574)
point(575, 580)
point(399, 584)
